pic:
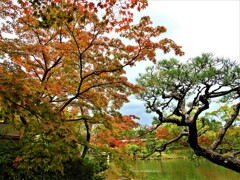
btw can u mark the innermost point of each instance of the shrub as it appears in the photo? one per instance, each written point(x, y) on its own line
point(87, 168)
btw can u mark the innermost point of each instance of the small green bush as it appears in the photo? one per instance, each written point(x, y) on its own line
point(84, 169)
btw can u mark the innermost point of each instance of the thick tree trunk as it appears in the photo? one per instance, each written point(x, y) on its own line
point(227, 161)
point(88, 136)
point(193, 137)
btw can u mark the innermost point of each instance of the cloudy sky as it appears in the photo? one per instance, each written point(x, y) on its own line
point(198, 26)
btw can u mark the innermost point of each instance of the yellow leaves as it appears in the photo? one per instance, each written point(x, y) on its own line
point(83, 39)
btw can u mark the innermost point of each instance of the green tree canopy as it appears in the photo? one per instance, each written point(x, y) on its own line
point(182, 92)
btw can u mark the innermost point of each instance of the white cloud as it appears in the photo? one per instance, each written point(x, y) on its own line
point(198, 26)
point(136, 107)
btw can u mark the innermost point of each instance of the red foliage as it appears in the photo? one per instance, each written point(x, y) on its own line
point(162, 133)
point(204, 140)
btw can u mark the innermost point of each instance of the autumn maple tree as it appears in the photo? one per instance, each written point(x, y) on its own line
point(62, 71)
point(201, 97)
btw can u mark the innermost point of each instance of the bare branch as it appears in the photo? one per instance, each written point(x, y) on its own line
point(235, 153)
point(164, 146)
point(196, 99)
point(223, 131)
point(204, 107)
point(222, 93)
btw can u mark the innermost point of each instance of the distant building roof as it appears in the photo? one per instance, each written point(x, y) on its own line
point(7, 131)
